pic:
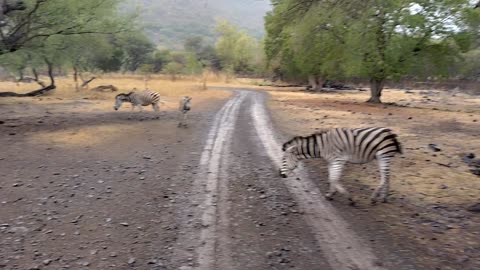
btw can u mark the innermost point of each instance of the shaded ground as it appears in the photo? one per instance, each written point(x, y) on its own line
point(430, 190)
point(83, 187)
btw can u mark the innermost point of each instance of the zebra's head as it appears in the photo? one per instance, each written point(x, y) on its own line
point(290, 157)
point(186, 100)
point(120, 98)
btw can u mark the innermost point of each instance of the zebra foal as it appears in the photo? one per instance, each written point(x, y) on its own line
point(184, 108)
point(141, 98)
point(341, 145)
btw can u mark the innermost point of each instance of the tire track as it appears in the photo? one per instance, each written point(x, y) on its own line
point(213, 163)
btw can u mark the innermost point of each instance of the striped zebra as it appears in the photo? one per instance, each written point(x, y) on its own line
point(341, 145)
point(184, 108)
point(142, 98)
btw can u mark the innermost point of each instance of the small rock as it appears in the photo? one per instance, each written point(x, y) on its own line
point(474, 208)
point(131, 261)
point(475, 171)
point(442, 186)
point(47, 261)
point(84, 263)
point(154, 261)
point(124, 224)
point(434, 147)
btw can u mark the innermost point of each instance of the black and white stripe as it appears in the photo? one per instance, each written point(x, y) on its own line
point(341, 145)
point(184, 108)
point(142, 98)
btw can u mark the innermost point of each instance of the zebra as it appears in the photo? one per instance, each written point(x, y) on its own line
point(341, 145)
point(142, 98)
point(184, 108)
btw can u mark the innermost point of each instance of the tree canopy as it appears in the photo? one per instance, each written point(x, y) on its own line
point(372, 39)
point(30, 23)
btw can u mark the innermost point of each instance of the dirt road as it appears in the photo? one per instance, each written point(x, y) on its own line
point(104, 190)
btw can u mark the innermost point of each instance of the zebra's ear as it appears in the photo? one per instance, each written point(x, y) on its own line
point(290, 148)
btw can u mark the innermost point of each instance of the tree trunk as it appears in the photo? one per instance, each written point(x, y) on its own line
point(376, 87)
point(320, 82)
point(21, 76)
point(75, 78)
point(312, 82)
point(37, 79)
point(36, 92)
point(204, 79)
point(50, 71)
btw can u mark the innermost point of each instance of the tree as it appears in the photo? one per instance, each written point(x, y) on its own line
point(173, 69)
point(373, 39)
point(29, 23)
point(57, 33)
point(236, 48)
point(205, 55)
point(160, 59)
point(137, 49)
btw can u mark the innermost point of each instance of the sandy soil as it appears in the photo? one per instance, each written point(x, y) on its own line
point(430, 190)
point(83, 186)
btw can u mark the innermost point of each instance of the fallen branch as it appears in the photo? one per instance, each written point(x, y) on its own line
point(86, 82)
point(29, 94)
point(103, 88)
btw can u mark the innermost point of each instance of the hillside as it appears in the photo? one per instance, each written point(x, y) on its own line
point(170, 22)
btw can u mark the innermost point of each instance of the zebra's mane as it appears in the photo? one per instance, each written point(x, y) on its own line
point(321, 131)
point(291, 141)
point(124, 96)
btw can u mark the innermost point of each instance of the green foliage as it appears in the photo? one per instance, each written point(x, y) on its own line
point(237, 49)
point(375, 40)
point(160, 59)
point(45, 19)
point(137, 48)
point(173, 69)
point(170, 22)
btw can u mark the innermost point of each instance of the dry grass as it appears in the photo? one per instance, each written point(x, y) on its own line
point(171, 91)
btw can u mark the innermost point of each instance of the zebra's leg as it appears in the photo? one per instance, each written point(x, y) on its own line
point(334, 172)
point(381, 192)
point(180, 117)
point(184, 119)
point(155, 107)
point(335, 169)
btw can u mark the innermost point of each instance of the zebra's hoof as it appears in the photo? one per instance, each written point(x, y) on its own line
point(329, 197)
point(351, 202)
point(373, 201)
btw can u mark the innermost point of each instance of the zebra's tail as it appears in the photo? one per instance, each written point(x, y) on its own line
point(397, 144)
